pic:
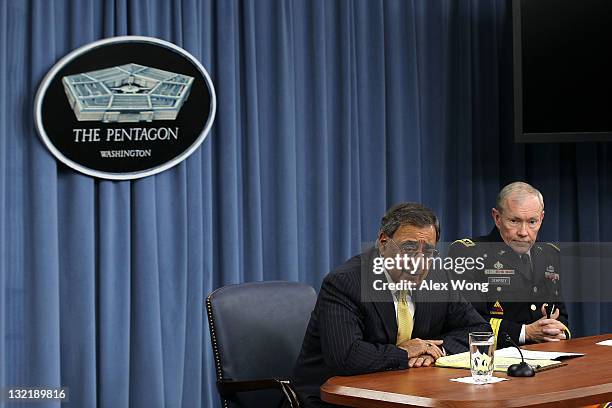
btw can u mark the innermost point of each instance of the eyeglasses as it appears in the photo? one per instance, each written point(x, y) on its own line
point(411, 248)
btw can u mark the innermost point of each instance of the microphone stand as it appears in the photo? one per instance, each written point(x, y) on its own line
point(521, 369)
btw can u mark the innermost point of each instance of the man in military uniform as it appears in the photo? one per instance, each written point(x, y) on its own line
point(524, 289)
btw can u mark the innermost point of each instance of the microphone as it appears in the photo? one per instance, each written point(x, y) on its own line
point(521, 369)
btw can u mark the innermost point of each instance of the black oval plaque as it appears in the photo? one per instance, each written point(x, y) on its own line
point(125, 107)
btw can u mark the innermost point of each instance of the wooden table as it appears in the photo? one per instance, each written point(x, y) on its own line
point(583, 381)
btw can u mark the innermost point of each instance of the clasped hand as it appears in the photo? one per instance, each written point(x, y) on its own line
point(422, 353)
point(545, 329)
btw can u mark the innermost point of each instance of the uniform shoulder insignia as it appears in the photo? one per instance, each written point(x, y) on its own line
point(466, 242)
point(554, 246)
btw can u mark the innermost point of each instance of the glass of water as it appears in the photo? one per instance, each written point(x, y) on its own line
point(482, 346)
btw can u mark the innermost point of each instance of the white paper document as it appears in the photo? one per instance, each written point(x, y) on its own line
point(470, 380)
point(534, 355)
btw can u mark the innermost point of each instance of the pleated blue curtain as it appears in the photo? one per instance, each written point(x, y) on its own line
point(328, 112)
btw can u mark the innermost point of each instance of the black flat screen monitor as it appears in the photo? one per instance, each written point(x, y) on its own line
point(562, 70)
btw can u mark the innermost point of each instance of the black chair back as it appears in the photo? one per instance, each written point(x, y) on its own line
point(257, 330)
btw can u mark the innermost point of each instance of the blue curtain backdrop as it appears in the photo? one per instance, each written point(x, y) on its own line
point(329, 111)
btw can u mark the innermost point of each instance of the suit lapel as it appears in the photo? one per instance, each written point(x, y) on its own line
point(421, 314)
point(386, 311)
point(382, 300)
point(538, 263)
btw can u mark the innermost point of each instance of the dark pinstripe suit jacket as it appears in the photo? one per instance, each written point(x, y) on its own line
point(353, 329)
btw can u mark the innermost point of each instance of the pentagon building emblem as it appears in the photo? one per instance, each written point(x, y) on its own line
point(127, 93)
point(123, 108)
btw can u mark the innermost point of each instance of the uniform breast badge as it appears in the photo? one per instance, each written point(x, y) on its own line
point(497, 309)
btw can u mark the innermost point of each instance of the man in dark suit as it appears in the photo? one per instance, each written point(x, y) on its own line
point(523, 274)
point(366, 320)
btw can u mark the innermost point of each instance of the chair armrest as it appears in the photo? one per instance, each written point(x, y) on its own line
point(229, 387)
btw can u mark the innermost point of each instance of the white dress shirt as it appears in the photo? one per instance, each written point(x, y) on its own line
point(395, 294)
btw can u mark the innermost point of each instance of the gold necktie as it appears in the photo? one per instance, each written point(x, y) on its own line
point(404, 318)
